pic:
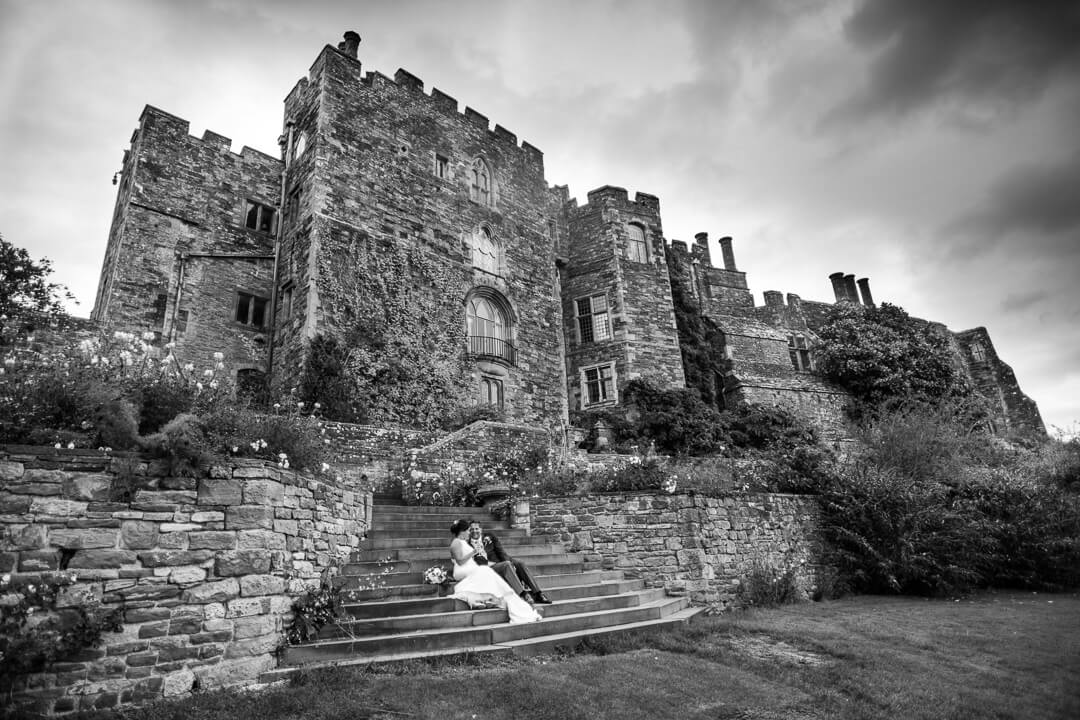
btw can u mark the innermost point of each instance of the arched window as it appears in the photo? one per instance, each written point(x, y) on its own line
point(480, 182)
point(636, 247)
point(488, 327)
point(486, 251)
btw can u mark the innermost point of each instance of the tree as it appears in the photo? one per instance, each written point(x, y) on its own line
point(880, 354)
point(25, 286)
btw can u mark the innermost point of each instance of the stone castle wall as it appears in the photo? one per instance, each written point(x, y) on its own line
point(695, 544)
point(204, 570)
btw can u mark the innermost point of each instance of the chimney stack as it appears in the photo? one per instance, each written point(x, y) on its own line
point(864, 290)
point(838, 288)
point(728, 253)
point(774, 298)
point(794, 300)
point(350, 45)
point(850, 289)
point(701, 249)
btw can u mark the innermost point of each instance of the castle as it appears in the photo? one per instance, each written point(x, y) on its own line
point(431, 250)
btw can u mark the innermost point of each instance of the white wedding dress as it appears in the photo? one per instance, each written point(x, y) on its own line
point(477, 584)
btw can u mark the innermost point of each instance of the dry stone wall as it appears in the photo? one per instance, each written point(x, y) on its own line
point(699, 545)
point(204, 570)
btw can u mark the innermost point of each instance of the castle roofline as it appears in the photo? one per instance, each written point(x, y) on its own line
point(209, 137)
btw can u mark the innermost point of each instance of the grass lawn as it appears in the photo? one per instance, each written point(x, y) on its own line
point(995, 655)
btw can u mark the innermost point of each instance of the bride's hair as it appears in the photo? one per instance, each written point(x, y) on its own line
point(459, 527)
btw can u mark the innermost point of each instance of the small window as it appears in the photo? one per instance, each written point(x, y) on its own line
point(300, 145)
point(636, 247)
point(259, 217)
point(978, 352)
point(442, 167)
point(491, 392)
point(287, 301)
point(599, 384)
point(480, 182)
point(799, 353)
point(292, 206)
point(250, 310)
point(594, 323)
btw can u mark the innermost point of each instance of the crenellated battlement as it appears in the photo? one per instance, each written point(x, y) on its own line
point(158, 121)
point(613, 195)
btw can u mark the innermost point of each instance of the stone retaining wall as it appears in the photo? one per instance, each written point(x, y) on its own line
point(205, 570)
point(693, 544)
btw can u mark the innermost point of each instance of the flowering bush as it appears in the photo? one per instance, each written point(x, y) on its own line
point(35, 632)
point(766, 585)
point(315, 609)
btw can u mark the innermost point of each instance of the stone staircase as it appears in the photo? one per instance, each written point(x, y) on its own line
point(392, 615)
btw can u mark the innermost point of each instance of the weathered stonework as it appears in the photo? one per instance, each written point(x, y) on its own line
point(699, 545)
point(205, 582)
point(396, 216)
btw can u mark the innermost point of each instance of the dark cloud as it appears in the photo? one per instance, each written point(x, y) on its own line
point(1021, 302)
point(978, 57)
point(1037, 202)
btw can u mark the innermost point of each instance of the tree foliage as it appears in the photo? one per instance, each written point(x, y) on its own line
point(25, 286)
point(882, 353)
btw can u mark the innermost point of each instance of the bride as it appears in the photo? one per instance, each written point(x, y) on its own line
point(479, 585)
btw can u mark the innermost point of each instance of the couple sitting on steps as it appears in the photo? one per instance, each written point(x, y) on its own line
point(481, 584)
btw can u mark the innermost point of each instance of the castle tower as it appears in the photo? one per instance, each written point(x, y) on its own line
point(420, 241)
point(616, 299)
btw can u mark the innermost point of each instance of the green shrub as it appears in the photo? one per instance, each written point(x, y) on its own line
point(766, 585)
point(634, 476)
point(676, 421)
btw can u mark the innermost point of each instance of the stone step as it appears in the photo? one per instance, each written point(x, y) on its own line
point(408, 551)
point(460, 616)
point(418, 590)
point(474, 636)
point(424, 538)
point(434, 512)
point(529, 556)
point(545, 644)
point(423, 606)
point(540, 566)
point(437, 526)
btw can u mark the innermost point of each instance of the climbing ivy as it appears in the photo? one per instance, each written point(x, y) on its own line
point(700, 340)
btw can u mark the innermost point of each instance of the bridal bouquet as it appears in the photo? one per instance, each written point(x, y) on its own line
point(436, 576)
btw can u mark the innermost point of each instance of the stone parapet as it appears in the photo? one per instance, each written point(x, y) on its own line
point(204, 569)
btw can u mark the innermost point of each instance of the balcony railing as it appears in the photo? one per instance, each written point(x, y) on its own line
point(492, 348)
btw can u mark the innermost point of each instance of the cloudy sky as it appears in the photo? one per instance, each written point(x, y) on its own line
point(931, 146)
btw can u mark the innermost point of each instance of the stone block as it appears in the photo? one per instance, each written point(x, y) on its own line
point(22, 487)
point(213, 592)
point(245, 607)
point(27, 537)
point(178, 683)
point(242, 562)
point(14, 505)
point(88, 486)
point(149, 592)
point(58, 507)
point(100, 559)
point(186, 575)
point(254, 585)
point(154, 629)
point(140, 615)
point(220, 491)
point(263, 492)
point(138, 534)
point(8, 561)
point(254, 626)
point(260, 539)
point(178, 527)
point(227, 673)
point(253, 646)
point(10, 471)
point(286, 527)
point(38, 560)
point(212, 540)
point(158, 558)
point(251, 472)
point(207, 516)
point(249, 517)
point(90, 538)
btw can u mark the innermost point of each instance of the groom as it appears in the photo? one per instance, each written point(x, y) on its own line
point(515, 572)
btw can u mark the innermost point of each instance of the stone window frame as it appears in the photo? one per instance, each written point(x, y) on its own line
point(253, 302)
point(265, 216)
point(498, 263)
point(978, 352)
point(493, 345)
point(606, 384)
point(481, 181)
point(588, 320)
point(636, 250)
point(491, 385)
point(300, 145)
point(799, 353)
point(292, 206)
point(440, 166)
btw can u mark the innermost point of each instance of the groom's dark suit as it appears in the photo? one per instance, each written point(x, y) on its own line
point(508, 566)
